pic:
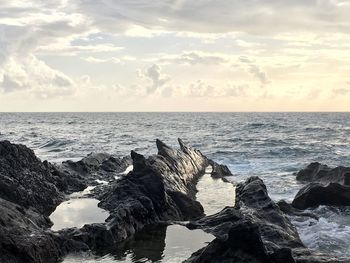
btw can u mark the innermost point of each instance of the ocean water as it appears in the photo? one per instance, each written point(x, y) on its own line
point(272, 146)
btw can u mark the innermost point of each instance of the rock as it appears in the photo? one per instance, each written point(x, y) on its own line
point(347, 179)
point(30, 190)
point(315, 194)
point(288, 209)
point(23, 239)
point(85, 172)
point(161, 188)
point(219, 170)
point(255, 230)
point(25, 180)
point(316, 172)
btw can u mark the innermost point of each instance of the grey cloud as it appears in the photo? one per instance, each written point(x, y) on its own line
point(236, 91)
point(258, 73)
point(245, 59)
point(251, 16)
point(8, 84)
point(254, 70)
point(201, 89)
point(156, 77)
point(341, 91)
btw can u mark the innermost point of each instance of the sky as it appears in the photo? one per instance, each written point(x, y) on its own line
point(174, 55)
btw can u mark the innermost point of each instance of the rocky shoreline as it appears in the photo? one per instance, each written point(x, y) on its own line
point(160, 190)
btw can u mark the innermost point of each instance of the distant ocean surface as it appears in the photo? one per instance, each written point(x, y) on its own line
point(270, 145)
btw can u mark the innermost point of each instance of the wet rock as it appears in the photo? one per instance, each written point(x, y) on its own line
point(95, 166)
point(347, 179)
point(160, 188)
point(30, 190)
point(316, 172)
point(255, 230)
point(316, 194)
point(219, 170)
point(288, 209)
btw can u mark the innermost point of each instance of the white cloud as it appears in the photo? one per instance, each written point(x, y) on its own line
point(91, 59)
point(35, 76)
point(194, 58)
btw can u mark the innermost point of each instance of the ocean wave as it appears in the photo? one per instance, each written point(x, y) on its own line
point(329, 234)
point(55, 143)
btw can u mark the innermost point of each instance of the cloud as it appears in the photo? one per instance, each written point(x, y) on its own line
point(91, 59)
point(236, 90)
point(250, 16)
point(156, 78)
point(36, 77)
point(201, 89)
point(258, 73)
point(194, 58)
point(341, 91)
point(163, 85)
point(27, 29)
point(254, 69)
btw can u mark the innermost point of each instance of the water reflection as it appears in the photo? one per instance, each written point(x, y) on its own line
point(214, 194)
point(171, 244)
point(76, 213)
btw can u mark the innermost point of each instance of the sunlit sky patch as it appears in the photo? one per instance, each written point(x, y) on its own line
point(174, 55)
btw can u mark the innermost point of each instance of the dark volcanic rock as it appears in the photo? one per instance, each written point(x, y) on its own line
point(316, 172)
point(22, 238)
point(219, 170)
point(85, 172)
point(25, 180)
point(160, 188)
point(256, 230)
point(30, 190)
point(316, 194)
point(288, 209)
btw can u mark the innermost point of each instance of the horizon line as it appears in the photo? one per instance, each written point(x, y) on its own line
point(1, 112)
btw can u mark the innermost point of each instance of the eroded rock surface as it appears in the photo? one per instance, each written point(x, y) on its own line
point(316, 194)
point(160, 188)
point(30, 190)
point(321, 173)
point(219, 170)
point(329, 186)
point(256, 230)
point(28, 193)
point(25, 180)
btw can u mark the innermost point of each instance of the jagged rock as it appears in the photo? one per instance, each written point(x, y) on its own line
point(25, 180)
point(219, 170)
point(288, 209)
point(95, 166)
point(256, 230)
point(160, 188)
point(316, 172)
point(22, 238)
point(30, 190)
point(315, 194)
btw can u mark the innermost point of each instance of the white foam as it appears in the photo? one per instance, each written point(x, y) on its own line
point(127, 170)
point(83, 193)
point(324, 235)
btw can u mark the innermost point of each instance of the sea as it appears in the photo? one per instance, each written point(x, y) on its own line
point(273, 146)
